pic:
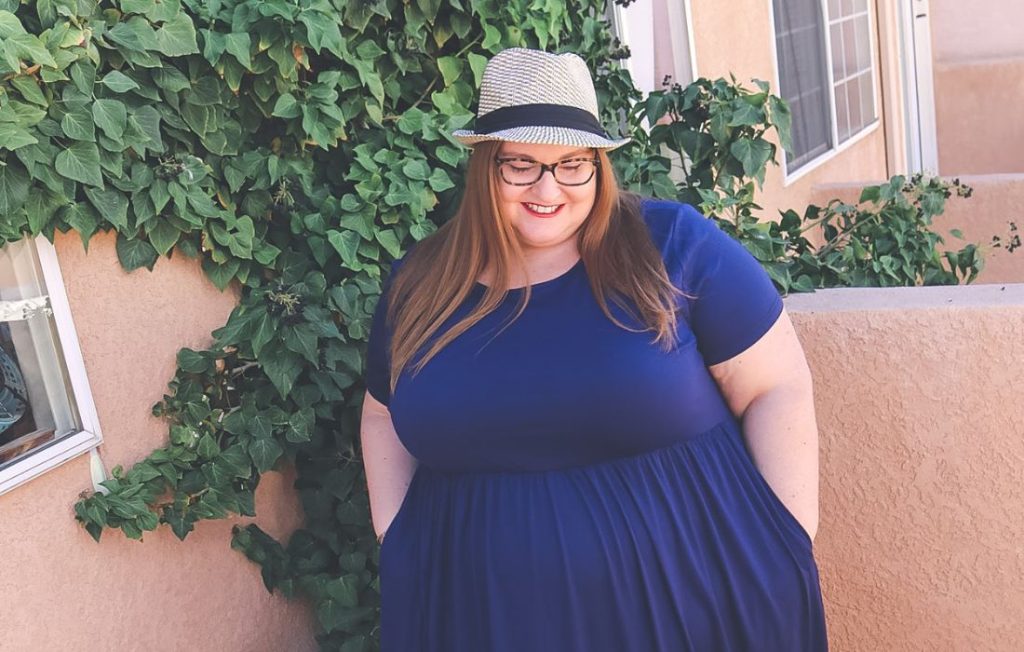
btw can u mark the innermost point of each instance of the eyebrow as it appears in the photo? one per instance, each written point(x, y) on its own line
point(585, 150)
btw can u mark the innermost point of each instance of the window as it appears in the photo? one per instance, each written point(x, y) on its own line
point(46, 415)
point(658, 36)
point(826, 73)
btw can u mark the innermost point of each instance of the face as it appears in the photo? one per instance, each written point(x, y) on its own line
point(529, 208)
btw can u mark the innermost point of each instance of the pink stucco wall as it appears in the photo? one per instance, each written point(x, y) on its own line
point(740, 40)
point(998, 199)
point(976, 29)
point(62, 591)
point(979, 85)
point(922, 452)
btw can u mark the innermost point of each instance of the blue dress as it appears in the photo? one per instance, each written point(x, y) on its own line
point(581, 490)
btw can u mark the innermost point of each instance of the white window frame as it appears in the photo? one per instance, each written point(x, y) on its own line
point(52, 455)
point(684, 57)
point(788, 177)
point(620, 17)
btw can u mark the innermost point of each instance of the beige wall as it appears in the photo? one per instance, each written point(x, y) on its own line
point(922, 455)
point(997, 200)
point(63, 592)
point(979, 126)
point(963, 30)
point(979, 85)
point(739, 39)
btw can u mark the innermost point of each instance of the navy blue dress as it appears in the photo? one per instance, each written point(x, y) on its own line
point(581, 490)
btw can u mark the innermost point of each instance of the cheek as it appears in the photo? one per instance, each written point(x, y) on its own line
point(584, 200)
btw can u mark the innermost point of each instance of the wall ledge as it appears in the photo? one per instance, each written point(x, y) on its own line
point(836, 300)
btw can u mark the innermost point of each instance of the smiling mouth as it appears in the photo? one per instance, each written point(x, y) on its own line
point(540, 210)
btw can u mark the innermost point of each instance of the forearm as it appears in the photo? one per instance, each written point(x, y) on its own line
point(781, 433)
point(389, 468)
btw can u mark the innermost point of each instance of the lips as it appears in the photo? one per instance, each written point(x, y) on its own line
point(535, 213)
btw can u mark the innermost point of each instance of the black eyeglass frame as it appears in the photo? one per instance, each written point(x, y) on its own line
point(544, 167)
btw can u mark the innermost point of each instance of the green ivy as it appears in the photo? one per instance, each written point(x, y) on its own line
point(296, 147)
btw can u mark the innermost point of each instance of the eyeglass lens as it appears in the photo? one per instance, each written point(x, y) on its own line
point(572, 172)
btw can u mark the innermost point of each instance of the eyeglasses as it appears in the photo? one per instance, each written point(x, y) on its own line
point(526, 172)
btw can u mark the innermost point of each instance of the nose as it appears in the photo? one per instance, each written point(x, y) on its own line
point(546, 187)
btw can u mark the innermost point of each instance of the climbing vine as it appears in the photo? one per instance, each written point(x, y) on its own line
point(296, 147)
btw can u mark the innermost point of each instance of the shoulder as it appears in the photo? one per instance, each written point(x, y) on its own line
point(676, 228)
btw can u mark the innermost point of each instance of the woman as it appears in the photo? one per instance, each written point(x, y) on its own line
point(568, 389)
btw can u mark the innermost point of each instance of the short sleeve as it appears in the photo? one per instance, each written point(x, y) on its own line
point(378, 351)
point(735, 300)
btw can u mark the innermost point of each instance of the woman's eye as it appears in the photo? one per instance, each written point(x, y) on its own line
point(572, 167)
point(523, 168)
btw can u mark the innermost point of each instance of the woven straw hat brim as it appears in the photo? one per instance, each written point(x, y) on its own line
point(541, 136)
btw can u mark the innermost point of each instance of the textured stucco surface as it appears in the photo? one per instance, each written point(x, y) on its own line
point(997, 200)
point(62, 592)
point(979, 85)
point(977, 116)
point(976, 29)
point(739, 41)
point(917, 393)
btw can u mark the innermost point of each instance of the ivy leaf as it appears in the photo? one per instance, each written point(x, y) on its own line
point(163, 235)
point(80, 162)
point(111, 116)
point(135, 34)
point(389, 241)
point(451, 69)
point(416, 169)
point(12, 136)
point(78, 124)
point(119, 82)
point(477, 62)
point(27, 46)
point(14, 184)
point(282, 368)
point(239, 45)
point(83, 218)
point(207, 447)
point(177, 37)
point(346, 243)
point(440, 181)
point(111, 204)
point(287, 107)
point(148, 119)
point(40, 207)
point(135, 253)
point(300, 426)
point(26, 84)
point(264, 453)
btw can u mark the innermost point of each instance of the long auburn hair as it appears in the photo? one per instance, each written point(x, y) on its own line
point(439, 272)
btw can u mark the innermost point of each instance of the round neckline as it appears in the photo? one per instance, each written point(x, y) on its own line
point(577, 265)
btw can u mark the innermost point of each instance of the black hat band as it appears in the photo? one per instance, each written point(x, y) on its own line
point(539, 115)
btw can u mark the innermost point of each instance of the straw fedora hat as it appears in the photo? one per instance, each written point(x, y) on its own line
point(531, 96)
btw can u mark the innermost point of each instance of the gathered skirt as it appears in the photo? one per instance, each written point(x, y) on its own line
point(680, 548)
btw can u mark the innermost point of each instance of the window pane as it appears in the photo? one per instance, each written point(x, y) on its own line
point(838, 63)
point(863, 43)
point(867, 100)
point(803, 76)
point(842, 112)
point(849, 49)
point(853, 91)
point(36, 407)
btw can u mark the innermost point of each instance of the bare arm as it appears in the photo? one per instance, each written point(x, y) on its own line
point(768, 387)
point(389, 467)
